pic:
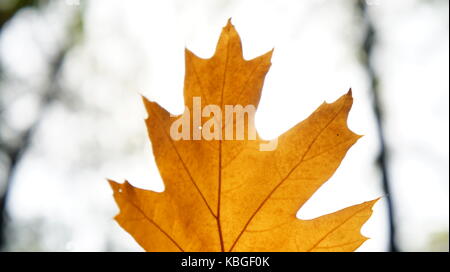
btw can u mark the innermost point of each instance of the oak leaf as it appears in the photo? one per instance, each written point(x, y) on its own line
point(228, 195)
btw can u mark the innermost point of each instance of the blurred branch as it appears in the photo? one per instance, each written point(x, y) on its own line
point(367, 49)
point(11, 9)
point(15, 153)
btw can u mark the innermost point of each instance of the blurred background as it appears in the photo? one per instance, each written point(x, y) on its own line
point(72, 72)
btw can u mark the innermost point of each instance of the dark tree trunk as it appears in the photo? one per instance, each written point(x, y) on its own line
point(367, 49)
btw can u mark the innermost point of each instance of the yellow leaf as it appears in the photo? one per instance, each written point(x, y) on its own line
point(226, 194)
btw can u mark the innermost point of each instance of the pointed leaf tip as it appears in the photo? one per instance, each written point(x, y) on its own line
point(229, 22)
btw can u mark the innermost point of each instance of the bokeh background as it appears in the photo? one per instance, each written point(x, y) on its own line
point(72, 72)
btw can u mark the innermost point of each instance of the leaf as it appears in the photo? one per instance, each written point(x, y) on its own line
point(228, 195)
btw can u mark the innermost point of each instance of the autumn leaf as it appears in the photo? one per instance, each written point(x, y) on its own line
point(229, 195)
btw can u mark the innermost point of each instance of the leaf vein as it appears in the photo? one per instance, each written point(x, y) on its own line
point(285, 178)
point(335, 228)
point(156, 225)
point(184, 164)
